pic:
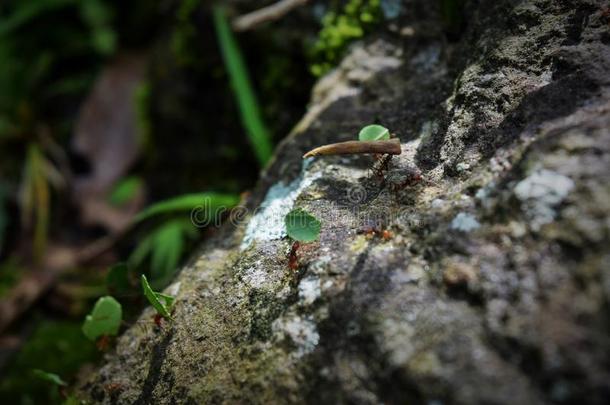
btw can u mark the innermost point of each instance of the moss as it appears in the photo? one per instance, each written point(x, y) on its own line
point(339, 29)
point(266, 308)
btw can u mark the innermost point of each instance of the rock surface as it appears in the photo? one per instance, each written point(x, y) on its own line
point(493, 282)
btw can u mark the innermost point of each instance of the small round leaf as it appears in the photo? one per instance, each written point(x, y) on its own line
point(302, 226)
point(105, 319)
point(374, 133)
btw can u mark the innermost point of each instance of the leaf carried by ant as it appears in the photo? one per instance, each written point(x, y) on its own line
point(302, 226)
point(374, 133)
point(155, 298)
point(104, 319)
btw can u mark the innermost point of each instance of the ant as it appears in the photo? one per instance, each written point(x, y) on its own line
point(113, 388)
point(157, 319)
point(293, 258)
point(371, 231)
point(412, 177)
point(381, 165)
point(103, 343)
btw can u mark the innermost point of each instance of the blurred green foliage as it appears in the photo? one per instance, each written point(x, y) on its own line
point(4, 215)
point(50, 50)
point(36, 68)
point(49, 377)
point(184, 36)
point(210, 201)
point(164, 245)
point(57, 346)
point(142, 103)
point(36, 197)
point(249, 109)
point(125, 190)
point(117, 280)
point(452, 14)
point(339, 29)
point(10, 274)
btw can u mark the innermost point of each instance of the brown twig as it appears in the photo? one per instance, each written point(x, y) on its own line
point(391, 147)
point(272, 12)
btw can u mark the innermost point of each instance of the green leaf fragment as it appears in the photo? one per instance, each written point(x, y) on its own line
point(302, 226)
point(105, 319)
point(374, 133)
point(155, 299)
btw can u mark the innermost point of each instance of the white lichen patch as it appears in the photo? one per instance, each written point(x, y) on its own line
point(255, 277)
point(309, 290)
point(464, 222)
point(268, 222)
point(540, 192)
point(301, 330)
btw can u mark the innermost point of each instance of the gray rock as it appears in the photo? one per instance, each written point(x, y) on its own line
point(505, 315)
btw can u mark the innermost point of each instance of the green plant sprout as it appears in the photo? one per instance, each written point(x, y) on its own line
point(161, 302)
point(302, 226)
point(374, 133)
point(104, 319)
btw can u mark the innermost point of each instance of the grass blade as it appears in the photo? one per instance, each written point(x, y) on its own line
point(210, 201)
point(248, 106)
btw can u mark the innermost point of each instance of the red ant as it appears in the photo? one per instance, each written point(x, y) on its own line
point(157, 319)
point(293, 259)
point(374, 231)
point(113, 388)
point(381, 165)
point(103, 343)
point(412, 178)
